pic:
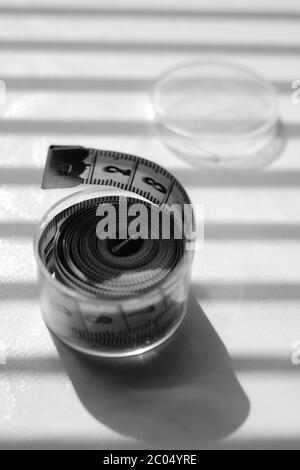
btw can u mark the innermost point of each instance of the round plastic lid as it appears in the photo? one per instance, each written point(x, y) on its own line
point(215, 112)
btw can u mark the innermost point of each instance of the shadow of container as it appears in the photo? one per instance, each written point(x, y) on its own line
point(184, 394)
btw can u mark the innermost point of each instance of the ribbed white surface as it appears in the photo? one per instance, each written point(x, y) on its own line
point(84, 77)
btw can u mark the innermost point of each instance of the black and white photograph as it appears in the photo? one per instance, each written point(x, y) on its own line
point(149, 228)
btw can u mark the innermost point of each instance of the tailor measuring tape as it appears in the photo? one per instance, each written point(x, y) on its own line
point(118, 291)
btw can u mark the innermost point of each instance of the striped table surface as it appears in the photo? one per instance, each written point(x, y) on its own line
point(81, 73)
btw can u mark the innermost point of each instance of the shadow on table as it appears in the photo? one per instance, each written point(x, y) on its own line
point(184, 394)
point(203, 13)
point(150, 47)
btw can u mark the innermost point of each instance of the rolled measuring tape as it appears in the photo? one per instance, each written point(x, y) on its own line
point(114, 260)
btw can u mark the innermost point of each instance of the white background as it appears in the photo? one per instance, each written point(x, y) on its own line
point(81, 72)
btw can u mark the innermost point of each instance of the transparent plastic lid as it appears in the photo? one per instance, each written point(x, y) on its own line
point(215, 112)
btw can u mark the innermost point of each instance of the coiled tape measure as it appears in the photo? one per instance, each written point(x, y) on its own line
point(113, 296)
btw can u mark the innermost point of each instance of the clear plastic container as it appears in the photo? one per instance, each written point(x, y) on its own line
point(215, 112)
point(101, 326)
